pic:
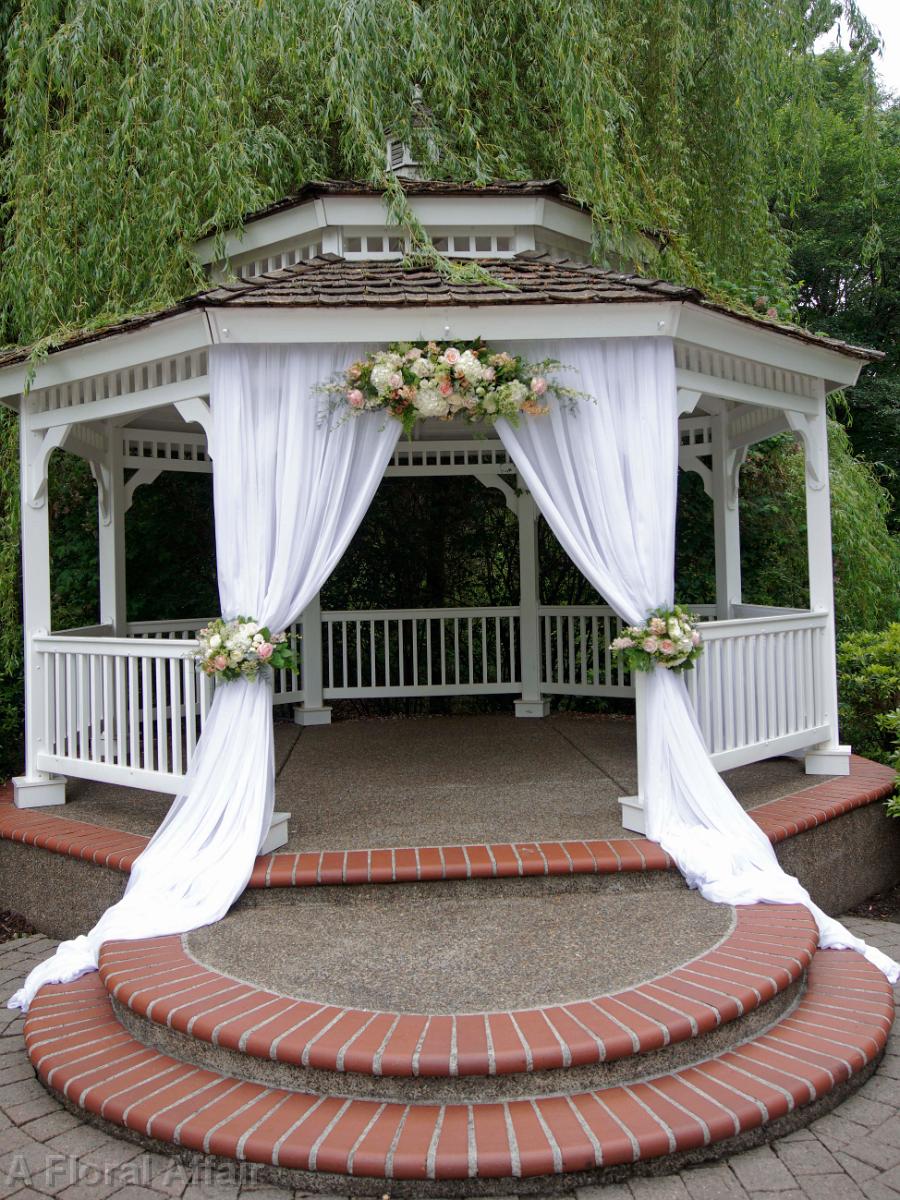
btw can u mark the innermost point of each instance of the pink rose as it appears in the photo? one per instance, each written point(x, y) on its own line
point(451, 355)
point(356, 398)
point(667, 646)
point(650, 644)
point(354, 372)
point(220, 662)
point(264, 651)
point(395, 381)
point(489, 374)
point(771, 312)
point(695, 638)
point(539, 385)
point(412, 353)
point(445, 388)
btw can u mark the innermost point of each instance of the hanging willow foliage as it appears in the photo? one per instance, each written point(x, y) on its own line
point(133, 125)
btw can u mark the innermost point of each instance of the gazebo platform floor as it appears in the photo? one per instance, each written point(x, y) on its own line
point(440, 781)
point(541, 1004)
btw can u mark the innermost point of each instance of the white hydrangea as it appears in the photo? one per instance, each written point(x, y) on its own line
point(469, 367)
point(430, 403)
point(381, 375)
point(422, 367)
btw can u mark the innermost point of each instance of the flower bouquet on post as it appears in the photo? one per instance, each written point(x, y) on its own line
point(668, 638)
point(242, 649)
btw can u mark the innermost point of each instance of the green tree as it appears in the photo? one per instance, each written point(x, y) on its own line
point(845, 249)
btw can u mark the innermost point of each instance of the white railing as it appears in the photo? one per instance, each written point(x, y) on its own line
point(757, 688)
point(576, 659)
point(130, 710)
point(420, 652)
point(121, 710)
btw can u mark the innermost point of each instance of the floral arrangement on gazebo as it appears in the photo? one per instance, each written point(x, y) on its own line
point(415, 381)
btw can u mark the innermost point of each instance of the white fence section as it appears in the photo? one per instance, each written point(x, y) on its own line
point(757, 688)
point(420, 652)
point(121, 710)
point(129, 710)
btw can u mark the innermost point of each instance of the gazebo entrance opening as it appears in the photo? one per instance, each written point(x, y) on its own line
point(124, 703)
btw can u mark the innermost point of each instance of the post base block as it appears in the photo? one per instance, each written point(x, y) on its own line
point(633, 816)
point(532, 708)
point(835, 760)
point(278, 833)
point(39, 792)
point(311, 716)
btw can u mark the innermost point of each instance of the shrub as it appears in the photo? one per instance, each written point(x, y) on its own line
point(869, 710)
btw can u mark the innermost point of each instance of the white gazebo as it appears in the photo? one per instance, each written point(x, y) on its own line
point(122, 703)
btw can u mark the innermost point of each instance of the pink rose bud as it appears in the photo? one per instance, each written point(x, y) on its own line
point(695, 638)
point(445, 388)
point(539, 385)
point(220, 662)
point(356, 398)
point(264, 651)
point(354, 372)
point(451, 355)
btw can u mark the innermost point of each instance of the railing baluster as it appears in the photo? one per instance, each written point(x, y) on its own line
point(175, 711)
point(109, 740)
point(189, 677)
point(498, 660)
point(162, 739)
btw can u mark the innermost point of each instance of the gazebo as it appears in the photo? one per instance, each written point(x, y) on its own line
point(121, 703)
point(519, 1011)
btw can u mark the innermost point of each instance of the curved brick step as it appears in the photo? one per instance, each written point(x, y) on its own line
point(833, 1037)
point(742, 984)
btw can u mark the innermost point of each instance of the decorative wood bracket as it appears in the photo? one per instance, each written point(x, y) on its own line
point(687, 401)
point(53, 439)
point(102, 475)
point(138, 479)
point(197, 409)
point(495, 481)
point(734, 460)
point(810, 431)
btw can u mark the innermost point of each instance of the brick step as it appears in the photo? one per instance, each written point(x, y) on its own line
point(59, 833)
point(742, 984)
point(808, 1061)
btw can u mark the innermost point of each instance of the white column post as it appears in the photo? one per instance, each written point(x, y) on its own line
point(829, 758)
point(313, 710)
point(726, 465)
point(532, 703)
point(633, 816)
point(35, 788)
point(111, 533)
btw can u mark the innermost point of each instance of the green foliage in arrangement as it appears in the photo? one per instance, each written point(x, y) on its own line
point(869, 666)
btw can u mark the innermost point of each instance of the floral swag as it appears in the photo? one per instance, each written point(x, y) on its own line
point(668, 638)
point(417, 381)
point(242, 649)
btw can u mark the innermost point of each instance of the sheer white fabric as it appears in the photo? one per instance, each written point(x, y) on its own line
point(290, 489)
point(605, 476)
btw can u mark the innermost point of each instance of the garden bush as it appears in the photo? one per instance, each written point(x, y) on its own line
point(869, 681)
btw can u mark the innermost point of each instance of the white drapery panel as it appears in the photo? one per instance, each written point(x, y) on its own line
point(605, 476)
point(290, 489)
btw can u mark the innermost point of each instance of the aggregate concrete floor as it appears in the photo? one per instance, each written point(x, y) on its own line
point(407, 949)
point(851, 1153)
point(443, 781)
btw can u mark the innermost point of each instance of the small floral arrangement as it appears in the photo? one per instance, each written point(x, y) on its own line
point(668, 638)
point(414, 381)
point(242, 649)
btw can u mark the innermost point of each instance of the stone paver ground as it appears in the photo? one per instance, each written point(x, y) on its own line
point(45, 1151)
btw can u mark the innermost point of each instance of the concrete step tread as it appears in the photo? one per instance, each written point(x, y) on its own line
point(80, 1051)
point(768, 949)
